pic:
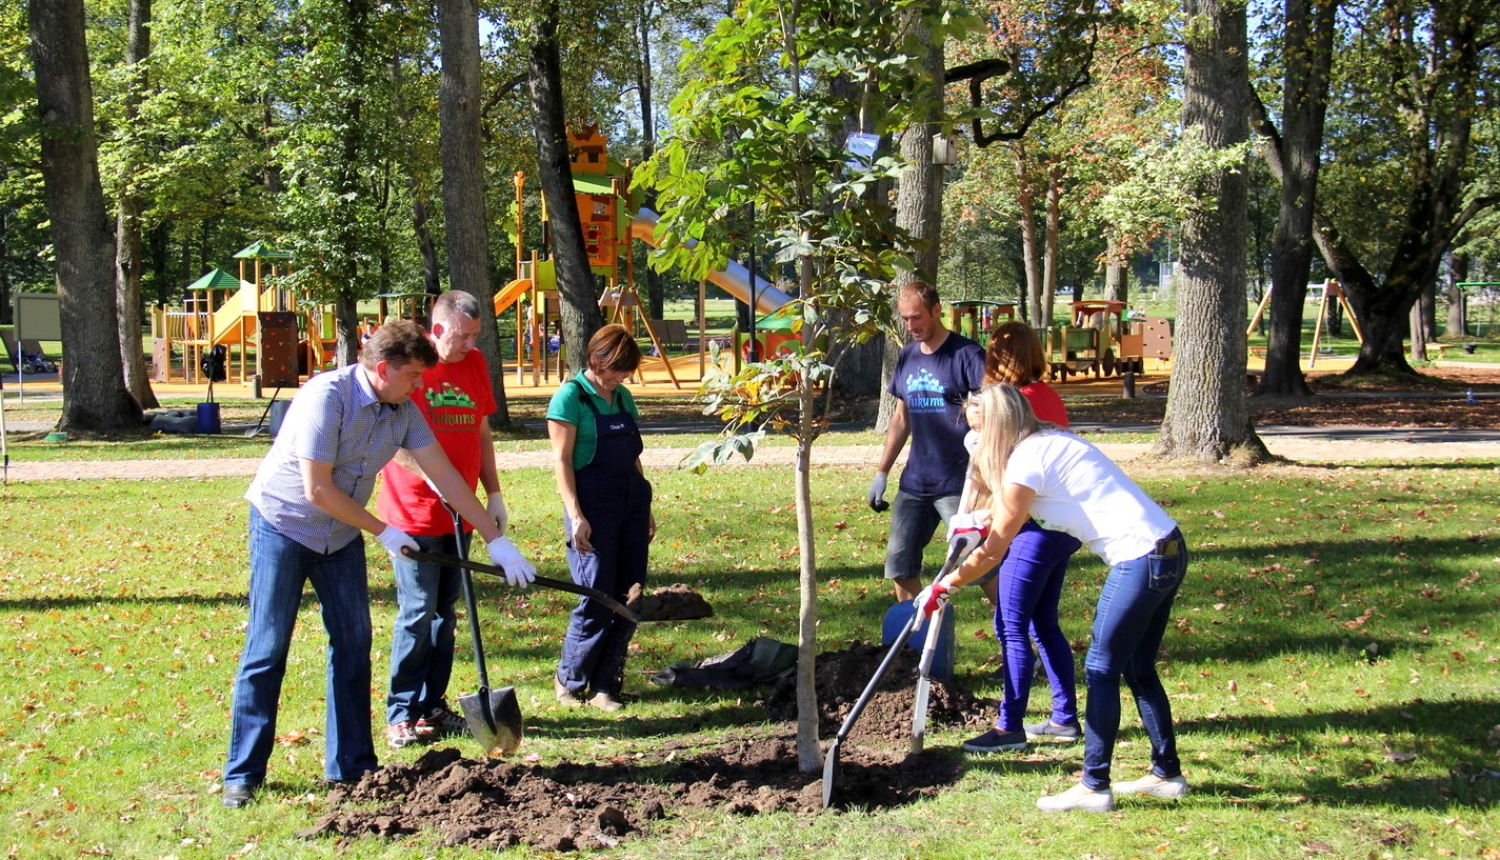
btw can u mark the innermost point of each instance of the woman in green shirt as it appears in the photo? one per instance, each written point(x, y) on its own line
point(596, 446)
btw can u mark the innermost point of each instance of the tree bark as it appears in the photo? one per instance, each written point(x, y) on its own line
point(468, 235)
point(919, 209)
point(1207, 416)
point(1309, 58)
point(575, 282)
point(1458, 306)
point(128, 225)
point(95, 399)
point(351, 135)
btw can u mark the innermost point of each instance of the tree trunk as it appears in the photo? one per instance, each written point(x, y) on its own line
point(1050, 250)
point(1116, 283)
point(128, 224)
point(1309, 56)
point(1458, 306)
point(809, 753)
point(645, 84)
point(575, 282)
point(95, 399)
point(1207, 416)
point(919, 210)
point(356, 47)
point(1418, 330)
point(468, 236)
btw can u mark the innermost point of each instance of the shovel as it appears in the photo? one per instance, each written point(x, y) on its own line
point(957, 549)
point(494, 716)
point(831, 761)
point(619, 608)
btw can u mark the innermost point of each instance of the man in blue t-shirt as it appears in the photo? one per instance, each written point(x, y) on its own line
point(934, 375)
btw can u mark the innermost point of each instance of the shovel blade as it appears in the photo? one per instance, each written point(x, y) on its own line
point(830, 769)
point(494, 718)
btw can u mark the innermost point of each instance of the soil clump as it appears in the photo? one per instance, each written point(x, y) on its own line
point(569, 806)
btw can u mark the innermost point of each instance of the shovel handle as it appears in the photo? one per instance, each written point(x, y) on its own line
point(555, 584)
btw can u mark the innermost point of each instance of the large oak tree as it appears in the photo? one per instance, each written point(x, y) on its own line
point(95, 399)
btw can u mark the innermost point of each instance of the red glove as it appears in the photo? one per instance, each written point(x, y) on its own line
point(930, 600)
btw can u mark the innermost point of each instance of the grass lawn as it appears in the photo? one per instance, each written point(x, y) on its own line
point(1332, 665)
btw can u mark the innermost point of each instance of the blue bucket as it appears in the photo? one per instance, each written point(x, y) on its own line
point(897, 617)
point(208, 419)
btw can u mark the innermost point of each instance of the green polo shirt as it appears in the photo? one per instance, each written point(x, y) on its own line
point(567, 406)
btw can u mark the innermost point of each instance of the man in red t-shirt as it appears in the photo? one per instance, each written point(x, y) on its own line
point(456, 399)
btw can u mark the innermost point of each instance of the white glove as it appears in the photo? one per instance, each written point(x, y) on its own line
point(496, 510)
point(518, 571)
point(965, 521)
point(876, 497)
point(394, 539)
point(930, 600)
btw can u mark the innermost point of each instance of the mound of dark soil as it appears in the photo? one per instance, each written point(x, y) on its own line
point(571, 806)
point(676, 602)
point(841, 678)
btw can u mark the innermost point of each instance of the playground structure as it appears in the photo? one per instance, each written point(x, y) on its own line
point(1331, 290)
point(1100, 338)
point(244, 314)
point(611, 219)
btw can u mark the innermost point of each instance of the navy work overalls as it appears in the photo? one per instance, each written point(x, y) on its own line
point(616, 500)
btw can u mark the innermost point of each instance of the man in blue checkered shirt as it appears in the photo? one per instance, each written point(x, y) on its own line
point(307, 518)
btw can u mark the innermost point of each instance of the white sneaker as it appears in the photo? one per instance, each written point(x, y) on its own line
point(1155, 786)
point(1079, 797)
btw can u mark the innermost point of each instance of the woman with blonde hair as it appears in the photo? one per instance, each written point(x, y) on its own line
point(1034, 470)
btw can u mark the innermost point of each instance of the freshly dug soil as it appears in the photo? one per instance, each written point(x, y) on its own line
point(571, 806)
point(676, 602)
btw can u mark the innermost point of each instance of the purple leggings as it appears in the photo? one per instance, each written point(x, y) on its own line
point(1031, 581)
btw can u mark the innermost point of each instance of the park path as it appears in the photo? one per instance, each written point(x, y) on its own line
point(1300, 444)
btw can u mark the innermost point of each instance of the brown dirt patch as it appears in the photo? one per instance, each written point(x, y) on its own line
point(572, 806)
point(1433, 398)
point(676, 602)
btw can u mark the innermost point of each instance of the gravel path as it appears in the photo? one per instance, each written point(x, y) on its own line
point(1300, 444)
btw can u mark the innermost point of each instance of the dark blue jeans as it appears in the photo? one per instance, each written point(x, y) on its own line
point(594, 648)
point(1129, 624)
point(1031, 582)
point(279, 567)
point(423, 636)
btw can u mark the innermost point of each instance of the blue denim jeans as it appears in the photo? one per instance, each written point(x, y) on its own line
point(1129, 623)
point(595, 646)
point(1031, 582)
point(279, 566)
point(914, 520)
point(423, 636)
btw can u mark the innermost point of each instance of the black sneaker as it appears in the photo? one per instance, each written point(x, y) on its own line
point(995, 740)
point(1050, 731)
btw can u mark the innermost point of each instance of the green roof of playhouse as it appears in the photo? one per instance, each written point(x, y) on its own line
point(217, 279)
point(262, 250)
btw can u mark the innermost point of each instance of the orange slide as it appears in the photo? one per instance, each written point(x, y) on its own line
point(512, 292)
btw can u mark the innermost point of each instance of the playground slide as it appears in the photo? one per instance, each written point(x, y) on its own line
point(512, 292)
point(733, 278)
point(226, 324)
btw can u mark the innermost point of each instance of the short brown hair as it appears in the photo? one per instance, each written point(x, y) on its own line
point(613, 349)
point(1014, 355)
point(396, 343)
point(921, 290)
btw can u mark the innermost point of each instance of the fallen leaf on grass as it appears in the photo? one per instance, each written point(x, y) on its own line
point(1397, 755)
point(1316, 847)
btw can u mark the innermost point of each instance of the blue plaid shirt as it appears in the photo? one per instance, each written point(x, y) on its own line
point(336, 418)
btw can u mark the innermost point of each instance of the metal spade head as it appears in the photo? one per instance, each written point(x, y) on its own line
point(494, 718)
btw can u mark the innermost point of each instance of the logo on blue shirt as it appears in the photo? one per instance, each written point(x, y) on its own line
point(925, 392)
